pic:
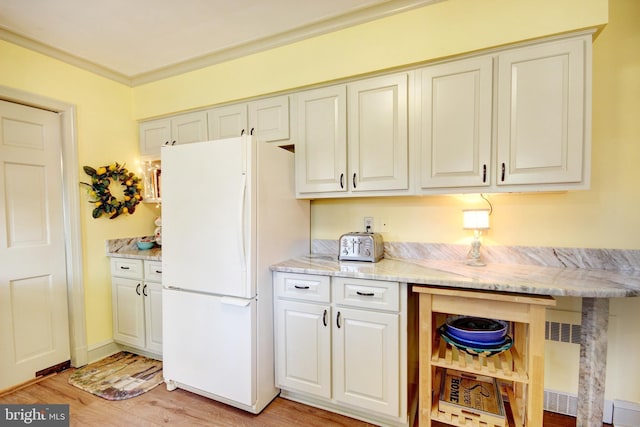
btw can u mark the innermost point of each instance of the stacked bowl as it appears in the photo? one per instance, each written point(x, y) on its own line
point(476, 335)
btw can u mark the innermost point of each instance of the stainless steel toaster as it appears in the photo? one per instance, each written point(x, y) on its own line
point(361, 247)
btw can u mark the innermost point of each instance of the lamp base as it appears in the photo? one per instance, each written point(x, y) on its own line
point(475, 262)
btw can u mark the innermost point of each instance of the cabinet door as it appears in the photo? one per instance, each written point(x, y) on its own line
point(541, 113)
point(128, 311)
point(321, 143)
point(377, 134)
point(269, 118)
point(191, 127)
point(227, 122)
point(152, 293)
point(303, 347)
point(456, 119)
point(366, 359)
point(153, 135)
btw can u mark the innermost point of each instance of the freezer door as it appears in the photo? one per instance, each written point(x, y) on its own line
point(205, 217)
point(209, 344)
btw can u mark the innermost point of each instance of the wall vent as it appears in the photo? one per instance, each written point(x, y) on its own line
point(567, 404)
point(562, 332)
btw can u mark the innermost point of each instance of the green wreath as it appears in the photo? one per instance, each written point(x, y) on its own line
point(105, 202)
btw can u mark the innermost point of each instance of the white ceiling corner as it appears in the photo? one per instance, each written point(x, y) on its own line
point(138, 41)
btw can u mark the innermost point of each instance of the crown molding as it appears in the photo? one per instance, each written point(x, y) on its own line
point(63, 56)
point(316, 29)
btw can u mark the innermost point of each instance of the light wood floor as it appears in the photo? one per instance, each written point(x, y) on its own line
point(160, 407)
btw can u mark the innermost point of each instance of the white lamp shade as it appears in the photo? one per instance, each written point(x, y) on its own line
point(475, 219)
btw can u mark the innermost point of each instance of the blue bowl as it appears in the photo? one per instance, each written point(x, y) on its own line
point(142, 245)
point(477, 329)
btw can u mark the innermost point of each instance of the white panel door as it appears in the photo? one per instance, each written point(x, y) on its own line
point(128, 311)
point(153, 135)
point(366, 359)
point(541, 113)
point(34, 328)
point(227, 122)
point(190, 127)
point(210, 344)
point(303, 347)
point(269, 118)
point(378, 133)
point(456, 120)
point(152, 293)
point(321, 143)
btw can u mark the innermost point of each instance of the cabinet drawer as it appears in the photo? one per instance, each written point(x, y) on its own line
point(376, 294)
point(153, 271)
point(126, 267)
point(303, 287)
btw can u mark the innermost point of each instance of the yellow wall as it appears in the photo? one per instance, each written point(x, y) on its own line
point(105, 133)
point(442, 29)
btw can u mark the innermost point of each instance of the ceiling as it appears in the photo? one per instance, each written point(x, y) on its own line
point(137, 41)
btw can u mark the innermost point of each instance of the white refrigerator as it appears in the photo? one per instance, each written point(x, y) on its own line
point(228, 212)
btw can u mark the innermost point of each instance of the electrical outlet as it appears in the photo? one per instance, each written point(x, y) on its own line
point(368, 224)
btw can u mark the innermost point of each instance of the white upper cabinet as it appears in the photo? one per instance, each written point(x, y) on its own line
point(180, 129)
point(515, 120)
point(377, 132)
point(321, 143)
point(153, 135)
point(267, 118)
point(455, 123)
point(353, 139)
point(544, 113)
point(228, 121)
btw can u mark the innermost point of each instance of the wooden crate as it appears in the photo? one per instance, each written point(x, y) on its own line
point(470, 397)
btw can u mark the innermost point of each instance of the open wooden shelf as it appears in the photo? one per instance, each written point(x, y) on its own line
point(444, 416)
point(507, 365)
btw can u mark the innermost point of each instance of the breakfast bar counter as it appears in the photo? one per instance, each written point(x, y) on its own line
point(594, 286)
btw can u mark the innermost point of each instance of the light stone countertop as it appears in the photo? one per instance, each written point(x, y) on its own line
point(127, 248)
point(527, 279)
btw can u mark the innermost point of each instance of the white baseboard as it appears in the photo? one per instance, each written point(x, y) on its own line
point(101, 350)
point(625, 413)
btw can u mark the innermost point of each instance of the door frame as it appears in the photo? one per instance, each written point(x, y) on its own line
point(71, 207)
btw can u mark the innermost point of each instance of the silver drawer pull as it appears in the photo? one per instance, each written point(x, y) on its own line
point(301, 286)
point(365, 294)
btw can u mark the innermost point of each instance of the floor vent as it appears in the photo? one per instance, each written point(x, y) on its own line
point(567, 404)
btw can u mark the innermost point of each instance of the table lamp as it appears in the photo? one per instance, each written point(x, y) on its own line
point(476, 220)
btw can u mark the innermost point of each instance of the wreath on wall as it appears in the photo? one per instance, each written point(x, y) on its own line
point(99, 189)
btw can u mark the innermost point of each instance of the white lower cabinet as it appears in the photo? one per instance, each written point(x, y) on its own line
point(303, 347)
point(341, 344)
point(136, 287)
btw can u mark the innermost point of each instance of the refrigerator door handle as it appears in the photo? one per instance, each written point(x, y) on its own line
point(241, 235)
point(238, 302)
